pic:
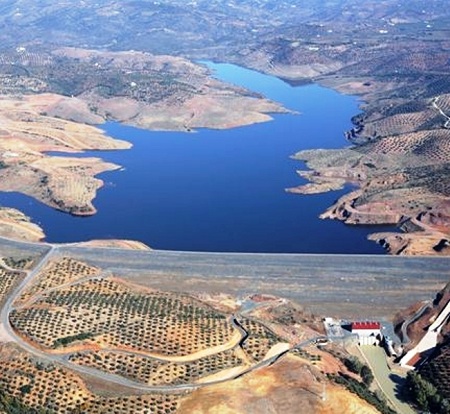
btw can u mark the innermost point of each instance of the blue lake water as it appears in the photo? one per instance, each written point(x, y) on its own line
point(219, 190)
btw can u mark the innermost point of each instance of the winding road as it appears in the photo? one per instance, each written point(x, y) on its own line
point(63, 358)
point(413, 318)
point(430, 339)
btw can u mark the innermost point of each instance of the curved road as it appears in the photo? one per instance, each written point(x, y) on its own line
point(62, 359)
point(413, 318)
point(430, 339)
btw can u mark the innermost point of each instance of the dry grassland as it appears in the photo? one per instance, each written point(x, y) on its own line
point(15, 225)
point(290, 386)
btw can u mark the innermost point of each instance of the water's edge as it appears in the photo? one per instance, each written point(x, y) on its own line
point(219, 190)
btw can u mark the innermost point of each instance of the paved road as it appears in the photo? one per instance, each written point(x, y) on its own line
point(415, 317)
point(309, 279)
point(430, 339)
point(376, 359)
point(30, 275)
point(344, 286)
point(62, 359)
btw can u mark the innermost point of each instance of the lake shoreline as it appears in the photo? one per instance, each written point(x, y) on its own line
point(256, 151)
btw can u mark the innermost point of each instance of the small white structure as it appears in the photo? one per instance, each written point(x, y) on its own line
point(389, 347)
point(369, 333)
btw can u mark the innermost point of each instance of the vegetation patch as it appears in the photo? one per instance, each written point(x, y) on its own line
point(361, 389)
point(425, 395)
point(69, 339)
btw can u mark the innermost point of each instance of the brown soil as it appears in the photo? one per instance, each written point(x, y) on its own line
point(402, 179)
point(283, 387)
point(68, 184)
point(15, 225)
point(52, 387)
point(198, 101)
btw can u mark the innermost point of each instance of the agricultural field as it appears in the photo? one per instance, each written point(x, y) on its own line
point(259, 341)
point(56, 274)
point(93, 320)
point(399, 164)
point(46, 386)
point(437, 370)
point(444, 103)
point(110, 313)
point(95, 342)
point(12, 271)
point(426, 146)
point(72, 306)
point(7, 281)
point(399, 124)
point(155, 372)
point(304, 354)
point(19, 263)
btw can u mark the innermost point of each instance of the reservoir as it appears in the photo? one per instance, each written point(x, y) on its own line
point(219, 191)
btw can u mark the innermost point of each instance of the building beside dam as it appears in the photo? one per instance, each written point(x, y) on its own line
point(368, 332)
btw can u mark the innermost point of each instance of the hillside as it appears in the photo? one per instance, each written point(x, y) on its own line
point(419, 317)
point(78, 338)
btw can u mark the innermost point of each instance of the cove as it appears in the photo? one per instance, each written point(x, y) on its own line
point(219, 191)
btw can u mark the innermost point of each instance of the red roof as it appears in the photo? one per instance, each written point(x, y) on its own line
point(366, 325)
point(415, 360)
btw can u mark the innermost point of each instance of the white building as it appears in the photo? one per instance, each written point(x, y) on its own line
point(369, 333)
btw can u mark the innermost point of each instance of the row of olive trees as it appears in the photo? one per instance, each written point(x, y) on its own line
point(354, 365)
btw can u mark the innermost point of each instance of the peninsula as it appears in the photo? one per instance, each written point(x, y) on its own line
point(42, 114)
